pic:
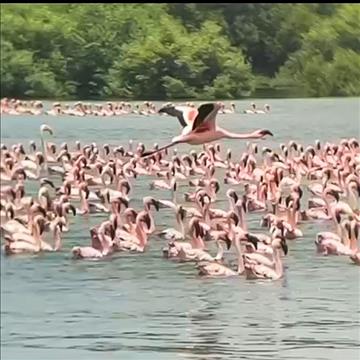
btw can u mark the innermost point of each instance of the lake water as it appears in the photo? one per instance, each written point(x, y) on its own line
point(144, 307)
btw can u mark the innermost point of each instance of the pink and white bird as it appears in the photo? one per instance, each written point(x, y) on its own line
point(201, 128)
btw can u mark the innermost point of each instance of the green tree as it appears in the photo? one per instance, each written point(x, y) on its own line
point(328, 62)
point(160, 51)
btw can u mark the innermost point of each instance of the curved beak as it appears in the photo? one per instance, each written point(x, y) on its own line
point(124, 201)
point(335, 194)
point(67, 188)
point(182, 213)
point(47, 128)
point(11, 211)
point(156, 204)
point(112, 232)
point(49, 182)
point(266, 132)
point(252, 239)
point(126, 185)
point(235, 196)
point(217, 187)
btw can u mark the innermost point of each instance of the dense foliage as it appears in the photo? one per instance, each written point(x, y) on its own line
point(177, 51)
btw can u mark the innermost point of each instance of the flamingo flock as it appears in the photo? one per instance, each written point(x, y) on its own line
point(109, 109)
point(287, 186)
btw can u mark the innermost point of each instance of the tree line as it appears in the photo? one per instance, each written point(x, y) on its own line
point(179, 51)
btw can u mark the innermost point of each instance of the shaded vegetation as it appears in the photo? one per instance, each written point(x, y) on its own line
point(177, 51)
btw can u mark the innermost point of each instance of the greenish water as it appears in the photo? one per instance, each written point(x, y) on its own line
point(145, 307)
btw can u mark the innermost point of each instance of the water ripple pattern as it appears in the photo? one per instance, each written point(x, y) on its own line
point(142, 307)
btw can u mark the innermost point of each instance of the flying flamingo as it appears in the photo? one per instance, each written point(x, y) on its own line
point(203, 128)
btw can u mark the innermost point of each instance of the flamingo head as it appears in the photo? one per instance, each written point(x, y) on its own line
point(36, 208)
point(252, 240)
point(204, 199)
point(332, 192)
point(181, 213)
point(64, 146)
point(231, 193)
point(354, 143)
point(149, 201)
point(145, 219)
point(20, 174)
point(46, 128)
point(46, 181)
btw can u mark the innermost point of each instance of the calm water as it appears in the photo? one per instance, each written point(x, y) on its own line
point(144, 307)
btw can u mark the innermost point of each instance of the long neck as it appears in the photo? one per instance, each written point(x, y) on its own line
point(173, 195)
point(353, 239)
point(243, 224)
point(182, 227)
point(220, 252)
point(38, 170)
point(352, 198)
point(241, 267)
point(345, 236)
point(132, 228)
point(57, 238)
point(231, 204)
point(30, 218)
point(152, 224)
point(197, 242)
point(206, 214)
point(43, 144)
point(104, 243)
point(141, 235)
point(278, 262)
point(290, 217)
point(258, 187)
point(37, 236)
point(330, 212)
point(84, 202)
point(339, 229)
point(231, 135)
point(65, 217)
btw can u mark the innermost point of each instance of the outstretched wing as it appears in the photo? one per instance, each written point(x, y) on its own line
point(185, 114)
point(206, 116)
